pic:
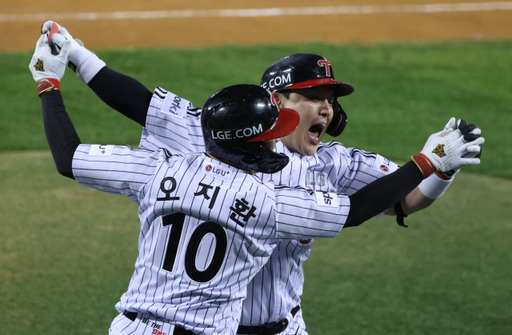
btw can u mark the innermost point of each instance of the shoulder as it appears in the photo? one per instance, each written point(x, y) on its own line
point(169, 103)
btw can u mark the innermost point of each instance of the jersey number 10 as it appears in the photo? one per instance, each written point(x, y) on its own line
point(176, 222)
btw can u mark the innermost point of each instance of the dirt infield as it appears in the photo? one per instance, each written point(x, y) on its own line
point(105, 24)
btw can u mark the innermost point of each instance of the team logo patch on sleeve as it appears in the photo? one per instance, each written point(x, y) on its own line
point(175, 105)
point(101, 150)
point(326, 199)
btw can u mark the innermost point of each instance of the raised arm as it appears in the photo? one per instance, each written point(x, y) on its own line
point(47, 70)
point(121, 92)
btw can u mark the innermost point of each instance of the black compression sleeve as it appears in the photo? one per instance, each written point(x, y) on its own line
point(60, 132)
point(124, 94)
point(382, 194)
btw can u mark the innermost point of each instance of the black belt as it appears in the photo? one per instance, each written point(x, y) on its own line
point(269, 328)
point(177, 329)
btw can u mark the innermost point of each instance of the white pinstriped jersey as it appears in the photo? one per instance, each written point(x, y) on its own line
point(206, 229)
point(173, 122)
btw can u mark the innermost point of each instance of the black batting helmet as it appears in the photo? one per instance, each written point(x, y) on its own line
point(237, 119)
point(305, 70)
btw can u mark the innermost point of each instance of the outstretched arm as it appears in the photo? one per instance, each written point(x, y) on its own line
point(444, 152)
point(382, 193)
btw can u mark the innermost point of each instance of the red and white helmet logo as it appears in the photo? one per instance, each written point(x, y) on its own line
point(327, 65)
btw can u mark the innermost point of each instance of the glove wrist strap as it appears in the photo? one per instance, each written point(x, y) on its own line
point(47, 84)
point(424, 164)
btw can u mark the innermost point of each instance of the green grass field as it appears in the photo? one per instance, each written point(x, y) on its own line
point(67, 252)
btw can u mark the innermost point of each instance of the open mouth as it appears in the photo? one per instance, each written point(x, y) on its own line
point(316, 131)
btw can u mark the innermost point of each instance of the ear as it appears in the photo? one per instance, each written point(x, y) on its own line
point(279, 99)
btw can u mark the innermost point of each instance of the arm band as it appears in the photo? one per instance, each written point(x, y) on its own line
point(87, 64)
point(60, 133)
point(382, 194)
point(434, 186)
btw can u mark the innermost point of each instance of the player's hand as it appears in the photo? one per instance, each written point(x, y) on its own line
point(457, 145)
point(57, 39)
point(44, 65)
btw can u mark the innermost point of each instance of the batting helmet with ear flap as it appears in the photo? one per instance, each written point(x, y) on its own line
point(305, 70)
point(238, 119)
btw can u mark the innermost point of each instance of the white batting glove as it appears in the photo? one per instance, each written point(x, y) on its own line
point(450, 149)
point(47, 69)
point(56, 40)
point(81, 60)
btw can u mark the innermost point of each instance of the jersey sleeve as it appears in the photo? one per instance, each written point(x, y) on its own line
point(118, 170)
point(172, 123)
point(361, 168)
point(302, 214)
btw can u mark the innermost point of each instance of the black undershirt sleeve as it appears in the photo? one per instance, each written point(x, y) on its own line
point(382, 194)
point(124, 94)
point(60, 132)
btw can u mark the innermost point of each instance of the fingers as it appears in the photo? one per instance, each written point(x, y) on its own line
point(471, 137)
point(469, 131)
point(58, 39)
point(450, 125)
point(46, 27)
point(472, 149)
point(40, 41)
point(66, 48)
point(461, 124)
point(478, 141)
point(465, 128)
point(470, 161)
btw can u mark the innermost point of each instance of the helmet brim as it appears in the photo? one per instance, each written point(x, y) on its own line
point(340, 88)
point(286, 123)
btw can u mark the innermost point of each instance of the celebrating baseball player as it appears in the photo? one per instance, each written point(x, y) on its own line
point(306, 83)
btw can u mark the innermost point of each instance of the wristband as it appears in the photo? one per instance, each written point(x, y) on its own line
point(434, 186)
point(87, 64)
point(46, 85)
point(424, 164)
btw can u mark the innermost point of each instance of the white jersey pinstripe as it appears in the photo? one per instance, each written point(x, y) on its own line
point(206, 230)
point(277, 288)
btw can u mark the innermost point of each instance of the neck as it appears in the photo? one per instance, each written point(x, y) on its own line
point(230, 164)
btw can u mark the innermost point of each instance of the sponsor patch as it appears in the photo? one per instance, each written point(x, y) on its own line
point(326, 199)
point(175, 106)
point(101, 150)
point(382, 164)
point(218, 171)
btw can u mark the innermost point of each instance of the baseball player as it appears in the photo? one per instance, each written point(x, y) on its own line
point(272, 304)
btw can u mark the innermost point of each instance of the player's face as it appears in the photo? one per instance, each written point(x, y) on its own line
point(314, 106)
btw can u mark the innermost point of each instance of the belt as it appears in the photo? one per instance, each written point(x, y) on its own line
point(177, 329)
point(269, 328)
